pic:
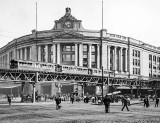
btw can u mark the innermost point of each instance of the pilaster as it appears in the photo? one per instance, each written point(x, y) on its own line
point(126, 60)
point(54, 53)
point(58, 53)
point(76, 54)
point(90, 56)
point(46, 54)
point(98, 56)
point(108, 52)
point(25, 53)
point(115, 58)
point(39, 53)
point(80, 54)
point(104, 55)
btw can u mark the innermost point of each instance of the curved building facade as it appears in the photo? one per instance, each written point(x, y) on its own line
point(68, 43)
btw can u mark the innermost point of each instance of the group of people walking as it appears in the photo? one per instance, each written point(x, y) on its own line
point(146, 102)
point(107, 102)
point(126, 103)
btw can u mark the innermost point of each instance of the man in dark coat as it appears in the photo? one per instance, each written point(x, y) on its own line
point(106, 102)
point(125, 104)
point(145, 101)
point(9, 99)
point(72, 98)
point(58, 101)
point(157, 102)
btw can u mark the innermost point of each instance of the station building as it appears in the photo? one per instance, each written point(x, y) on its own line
point(68, 43)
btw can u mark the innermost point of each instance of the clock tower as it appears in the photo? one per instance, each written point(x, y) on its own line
point(68, 21)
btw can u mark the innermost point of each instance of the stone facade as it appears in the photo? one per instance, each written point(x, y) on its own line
point(68, 43)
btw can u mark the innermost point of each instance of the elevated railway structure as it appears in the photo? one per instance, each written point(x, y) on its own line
point(27, 72)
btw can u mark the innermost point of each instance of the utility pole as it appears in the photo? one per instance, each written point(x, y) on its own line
point(101, 51)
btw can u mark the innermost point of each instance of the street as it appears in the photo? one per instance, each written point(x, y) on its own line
point(78, 112)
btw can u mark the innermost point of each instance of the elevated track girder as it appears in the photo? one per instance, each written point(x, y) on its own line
point(25, 76)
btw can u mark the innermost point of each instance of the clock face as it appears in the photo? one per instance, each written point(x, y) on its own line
point(68, 24)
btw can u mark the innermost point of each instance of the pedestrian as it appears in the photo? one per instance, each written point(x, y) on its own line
point(9, 99)
point(72, 98)
point(145, 101)
point(125, 104)
point(106, 102)
point(58, 101)
point(157, 102)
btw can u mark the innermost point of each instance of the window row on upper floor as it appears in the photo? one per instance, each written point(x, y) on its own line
point(136, 53)
point(154, 58)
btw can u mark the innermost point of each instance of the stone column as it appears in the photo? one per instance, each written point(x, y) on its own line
point(39, 53)
point(29, 53)
point(14, 54)
point(25, 53)
point(108, 57)
point(120, 59)
point(141, 63)
point(115, 58)
point(54, 53)
point(76, 54)
point(80, 54)
point(58, 53)
point(90, 56)
point(46, 53)
point(98, 56)
point(104, 55)
point(8, 61)
point(33, 53)
point(126, 60)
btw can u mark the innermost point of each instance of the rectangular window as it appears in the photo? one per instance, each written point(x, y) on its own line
point(136, 62)
point(73, 48)
point(73, 57)
point(138, 53)
point(42, 49)
point(93, 49)
point(150, 57)
point(68, 58)
point(50, 58)
point(135, 53)
point(10, 55)
point(68, 48)
point(138, 71)
point(50, 48)
point(150, 65)
point(84, 48)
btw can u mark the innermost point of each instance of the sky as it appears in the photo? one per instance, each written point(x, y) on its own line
point(138, 19)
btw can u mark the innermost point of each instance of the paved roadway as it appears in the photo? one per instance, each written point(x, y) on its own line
point(79, 112)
